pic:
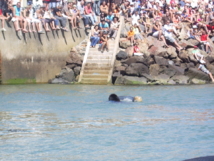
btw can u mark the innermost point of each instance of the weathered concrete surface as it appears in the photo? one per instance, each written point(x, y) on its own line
point(33, 57)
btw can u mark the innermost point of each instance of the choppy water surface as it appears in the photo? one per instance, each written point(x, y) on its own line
point(76, 122)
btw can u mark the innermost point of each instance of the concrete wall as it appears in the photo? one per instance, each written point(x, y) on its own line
point(33, 57)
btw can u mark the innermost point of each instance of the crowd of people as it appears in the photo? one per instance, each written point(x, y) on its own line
point(162, 19)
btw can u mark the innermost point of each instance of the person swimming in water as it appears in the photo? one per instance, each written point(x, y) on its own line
point(114, 97)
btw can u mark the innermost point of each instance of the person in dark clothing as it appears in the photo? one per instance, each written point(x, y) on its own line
point(58, 15)
point(114, 97)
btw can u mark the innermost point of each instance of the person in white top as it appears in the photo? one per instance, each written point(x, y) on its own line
point(29, 13)
point(114, 28)
point(168, 31)
point(135, 18)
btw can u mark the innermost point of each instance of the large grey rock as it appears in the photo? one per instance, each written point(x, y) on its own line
point(210, 59)
point(67, 74)
point(129, 50)
point(74, 58)
point(58, 81)
point(190, 42)
point(180, 79)
point(77, 70)
point(156, 69)
point(121, 55)
point(178, 70)
point(120, 69)
point(195, 73)
point(143, 47)
point(160, 61)
point(172, 52)
point(155, 46)
point(163, 54)
point(197, 81)
point(128, 80)
point(171, 82)
point(162, 79)
point(210, 67)
point(193, 59)
point(136, 69)
point(183, 55)
point(124, 43)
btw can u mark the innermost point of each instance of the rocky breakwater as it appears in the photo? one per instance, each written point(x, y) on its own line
point(70, 73)
point(160, 65)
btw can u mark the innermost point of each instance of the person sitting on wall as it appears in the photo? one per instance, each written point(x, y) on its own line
point(90, 14)
point(18, 17)
point(59, 16)
point(115, 98)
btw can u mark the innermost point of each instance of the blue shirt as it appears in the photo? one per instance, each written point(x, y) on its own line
point(17, 11)
point(110, 17)
point(104, 25)
point(182, 3)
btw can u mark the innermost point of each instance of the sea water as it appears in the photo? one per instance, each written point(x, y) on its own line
point(77, 122)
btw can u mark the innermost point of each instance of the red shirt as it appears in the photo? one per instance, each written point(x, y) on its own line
point(210, 27)
point(136, 49)
point(88, 10)
point(204, 37)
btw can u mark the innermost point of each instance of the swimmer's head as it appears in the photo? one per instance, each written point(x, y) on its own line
point(137, 99)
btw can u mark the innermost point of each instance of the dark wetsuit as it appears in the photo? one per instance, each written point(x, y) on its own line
point(114, 97)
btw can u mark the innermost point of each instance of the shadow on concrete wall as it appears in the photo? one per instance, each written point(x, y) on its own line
point(53, 34)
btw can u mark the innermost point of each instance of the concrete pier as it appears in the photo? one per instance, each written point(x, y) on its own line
point(33, 57)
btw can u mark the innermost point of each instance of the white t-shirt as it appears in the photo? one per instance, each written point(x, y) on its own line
point(166, 32)
point(135, 19)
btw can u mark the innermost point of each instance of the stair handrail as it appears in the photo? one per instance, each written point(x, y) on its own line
point(115, 49)
point(86, 54)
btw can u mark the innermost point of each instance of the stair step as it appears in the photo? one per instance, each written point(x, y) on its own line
point(99, 61)
point(95, 76)
point(94, 81)
point(96, 71)
point(98, 64)
point(100, 54)
point(99, 57)
point(89, 68)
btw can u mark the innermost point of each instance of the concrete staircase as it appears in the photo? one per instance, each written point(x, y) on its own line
point(97, 67)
